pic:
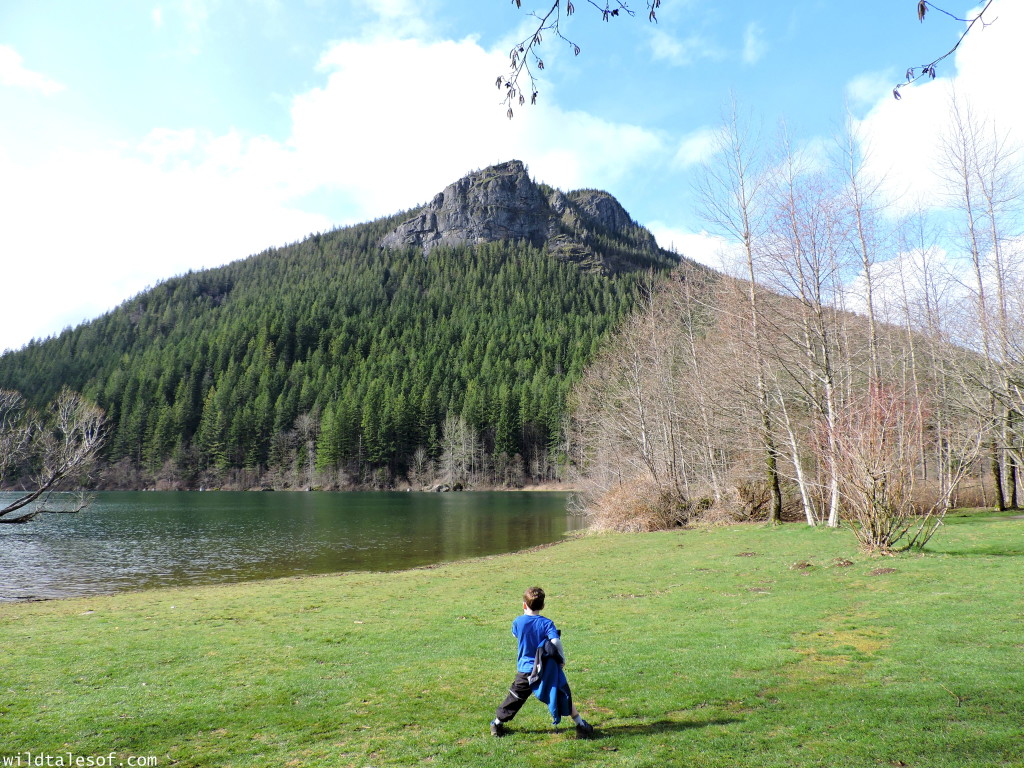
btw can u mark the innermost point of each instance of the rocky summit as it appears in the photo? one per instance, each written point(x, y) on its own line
point(502, 202)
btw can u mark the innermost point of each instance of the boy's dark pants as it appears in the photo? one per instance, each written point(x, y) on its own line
point(518, 693)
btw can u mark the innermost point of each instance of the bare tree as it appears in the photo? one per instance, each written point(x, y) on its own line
point(705, 398)
point(794, 405)
point(999, 187)
point(617, 425)
point(50, 448)
point(637, 422)
point(878, 438)
point(805, 263)
point(460, 450)
point(665, 421)
point(875, 450)
point(16, 428)
point(918, 306)
point(862, 199)
point(732, 191)
point(982, 174)
point(422, 470)
point(930, 314)
point(307, 428)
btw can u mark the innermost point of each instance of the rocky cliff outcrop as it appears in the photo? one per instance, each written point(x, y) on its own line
point(502, 203)
point(497, 203)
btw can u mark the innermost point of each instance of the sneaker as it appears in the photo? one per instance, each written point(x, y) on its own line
point(498, 729)
point(584, 730)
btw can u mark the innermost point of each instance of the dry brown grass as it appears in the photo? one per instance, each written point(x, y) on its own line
point(636, 506)
point(970, 493)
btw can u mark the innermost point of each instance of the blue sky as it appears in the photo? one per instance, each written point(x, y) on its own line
point(141, 140)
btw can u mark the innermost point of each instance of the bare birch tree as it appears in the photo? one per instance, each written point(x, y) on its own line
point(307, 428)
point(732, 193)
point(60, 444)
point(805, 264)
point(461, 450)
point(863, 203)
point(982, 176)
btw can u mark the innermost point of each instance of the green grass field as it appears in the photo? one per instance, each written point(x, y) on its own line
point(739, 646)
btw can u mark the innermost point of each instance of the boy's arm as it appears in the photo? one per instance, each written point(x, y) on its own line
point(557, 642)
point(555, 636)
point(553, 633)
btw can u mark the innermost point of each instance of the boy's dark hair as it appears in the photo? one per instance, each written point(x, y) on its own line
point(534, 598)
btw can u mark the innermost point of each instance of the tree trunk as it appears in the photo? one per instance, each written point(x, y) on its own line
point(997, 476)
point(1011, 480)
point(772, 467)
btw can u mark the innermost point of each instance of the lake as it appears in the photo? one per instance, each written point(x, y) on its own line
point(136, 540)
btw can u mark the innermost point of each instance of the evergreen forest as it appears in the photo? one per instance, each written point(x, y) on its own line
point(335, 363)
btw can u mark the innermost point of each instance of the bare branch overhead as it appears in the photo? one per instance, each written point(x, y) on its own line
point(524, 57)
point(929, 70)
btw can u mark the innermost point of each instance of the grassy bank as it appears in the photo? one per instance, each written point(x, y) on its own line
point(741, 646)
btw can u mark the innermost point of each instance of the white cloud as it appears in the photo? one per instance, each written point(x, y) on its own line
point(868, 88)
point(84, 231)
point(754, 45)
point(196, 14)
point(398, 18)
point(392, 123)
point(13, 73)
point(682, 52)
point(164, 145)
point(914, 283)
point(697, 147)
point(185, 21)
point(712, 250)
point(435, 115)
point(904, 137)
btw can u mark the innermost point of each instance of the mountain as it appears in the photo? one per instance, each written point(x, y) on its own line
point(439, 344)
point(588, 227)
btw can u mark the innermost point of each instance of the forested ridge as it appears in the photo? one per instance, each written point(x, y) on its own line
point(335, 363)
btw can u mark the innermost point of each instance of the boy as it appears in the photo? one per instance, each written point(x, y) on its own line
point(539, 669)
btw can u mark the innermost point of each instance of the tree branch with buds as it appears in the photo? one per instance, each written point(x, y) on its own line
point(524, 58)
point(929, 70)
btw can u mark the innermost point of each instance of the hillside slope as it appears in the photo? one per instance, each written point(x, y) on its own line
point(438, 344)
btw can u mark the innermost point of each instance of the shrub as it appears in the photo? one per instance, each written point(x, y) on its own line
point(639, 505)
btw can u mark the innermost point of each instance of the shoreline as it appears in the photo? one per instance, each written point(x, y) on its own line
point(567, 537)
point(533, 488)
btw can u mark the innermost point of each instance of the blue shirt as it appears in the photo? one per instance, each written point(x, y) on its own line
point(531, 632)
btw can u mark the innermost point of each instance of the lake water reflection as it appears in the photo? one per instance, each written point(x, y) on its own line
point(129, 540)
